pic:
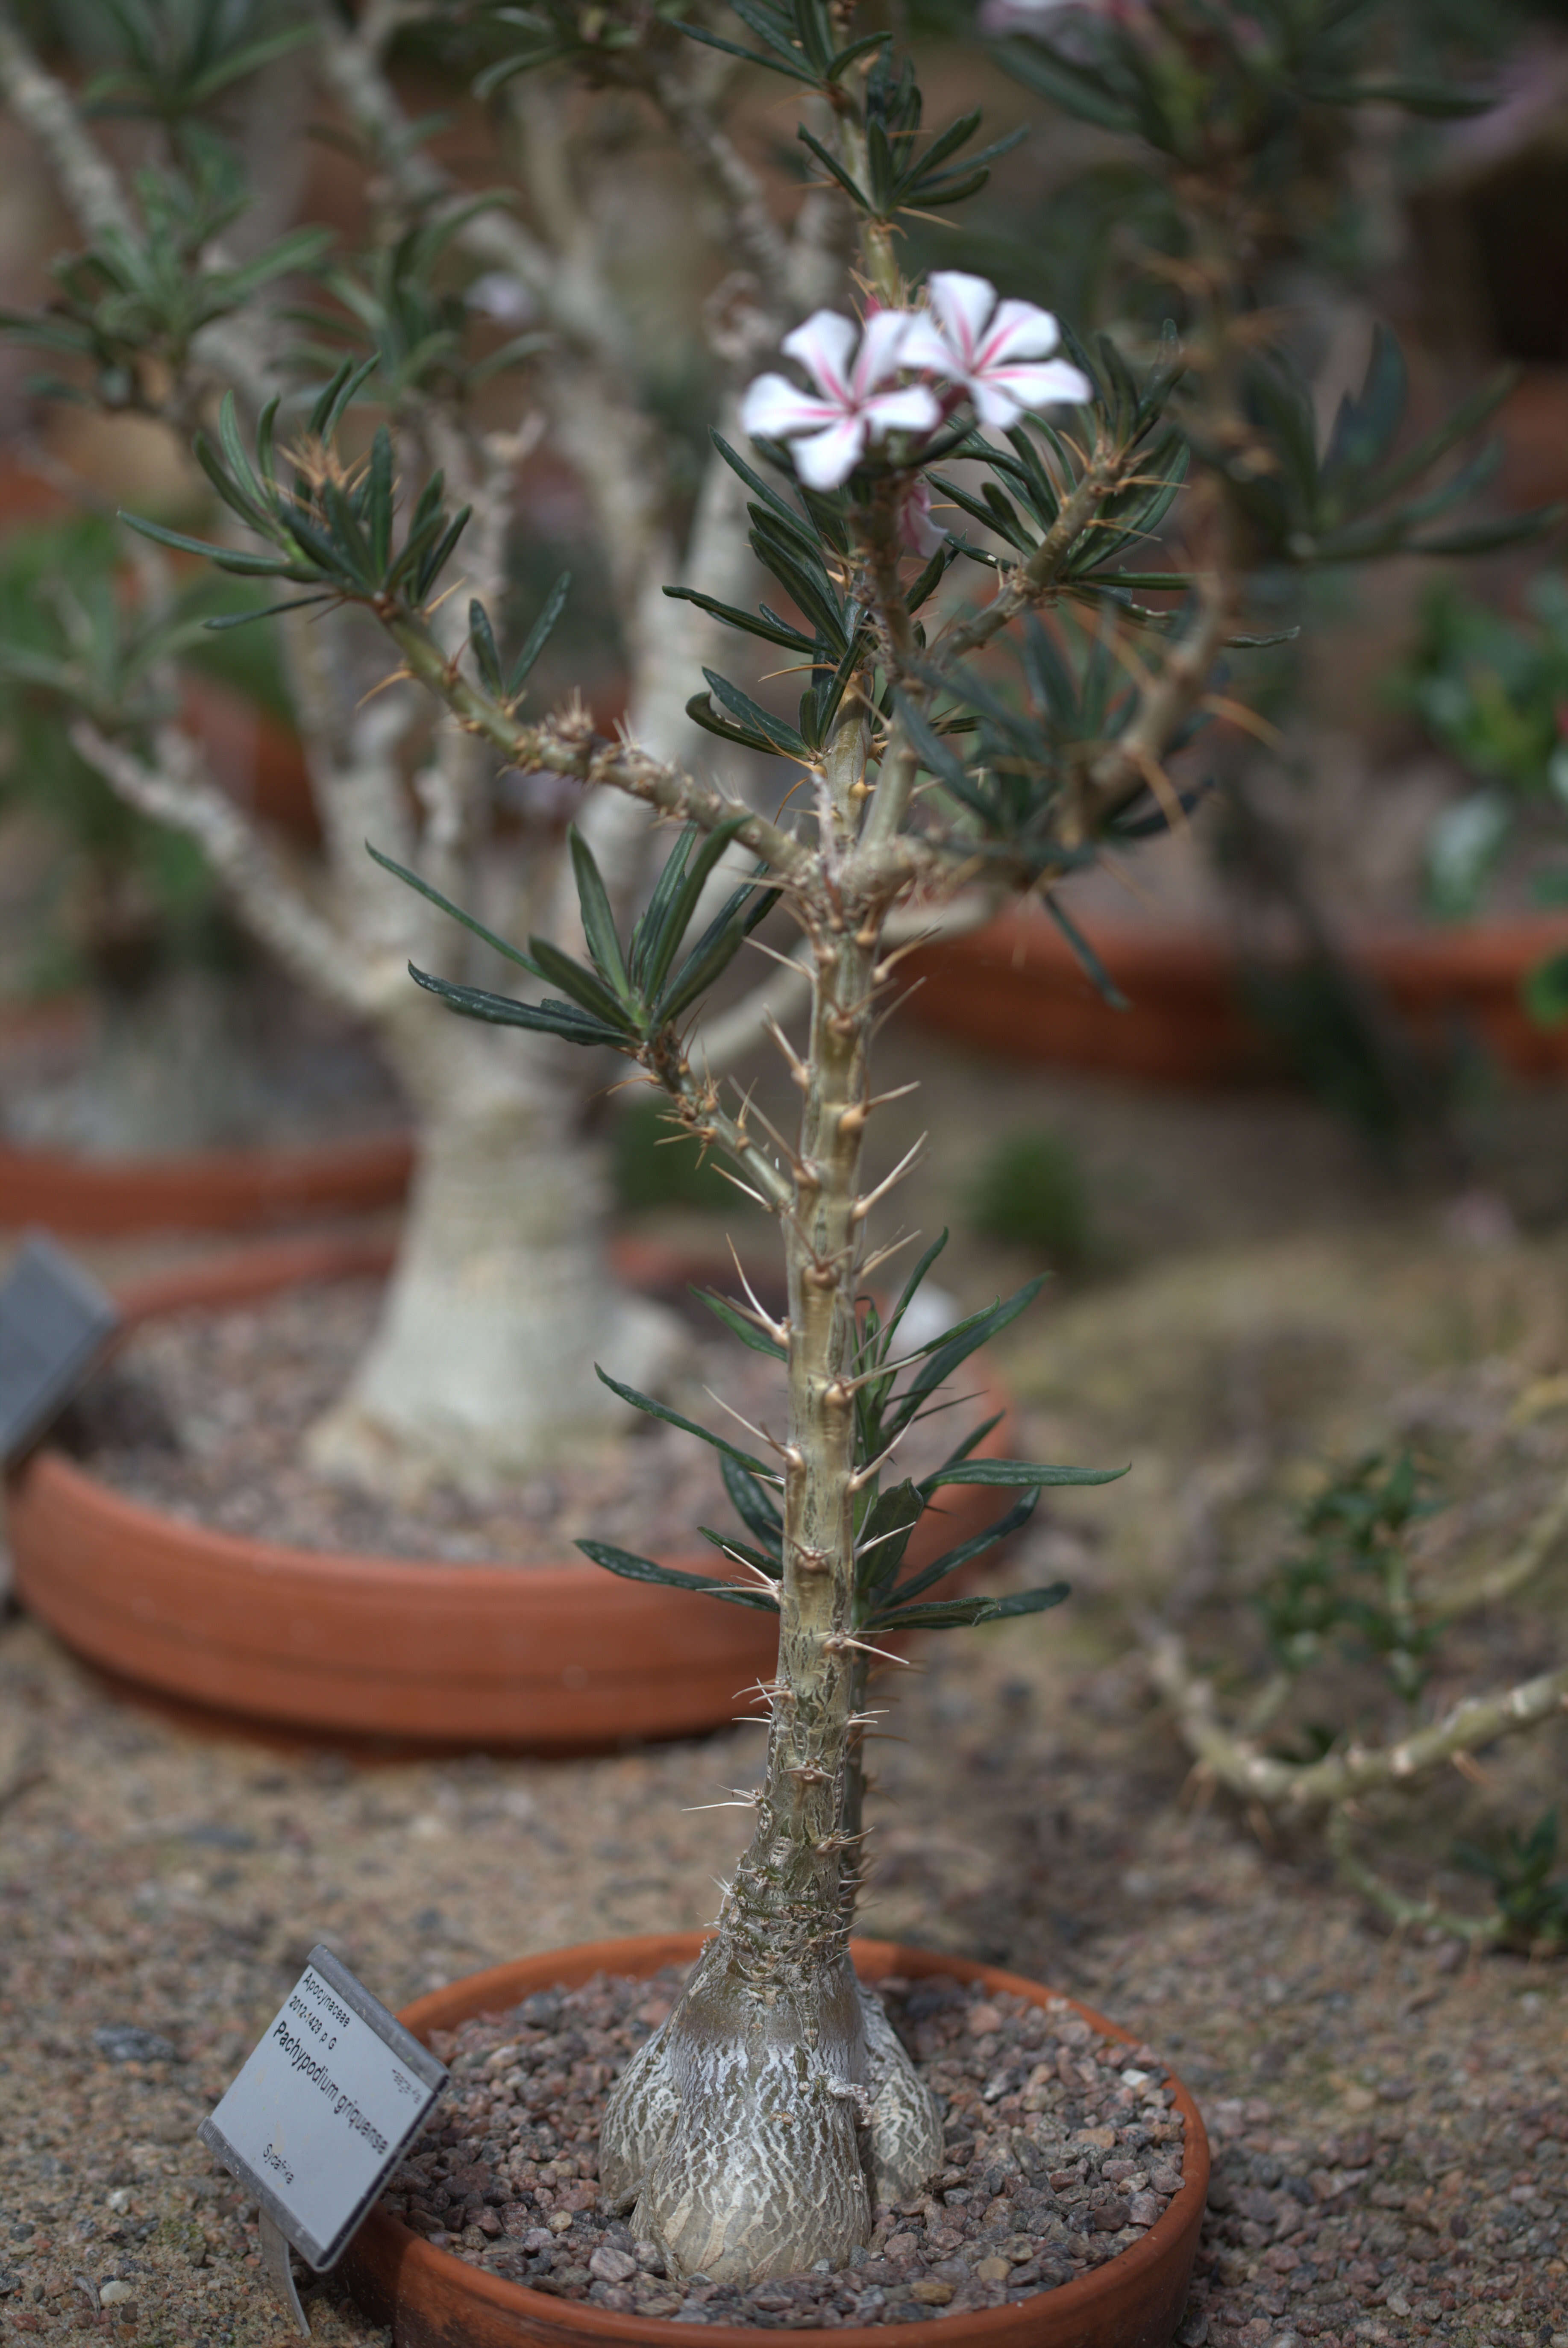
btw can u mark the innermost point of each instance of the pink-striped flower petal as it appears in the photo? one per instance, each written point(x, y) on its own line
point(776, 410)
point(963, 304)
point(827, 434)
point(1003, 394)
point(822, 346)
point(985, 348)
point(827, 460)
point(915, 410)
point(880, 352)
point(1018, 331)
point(925, 345)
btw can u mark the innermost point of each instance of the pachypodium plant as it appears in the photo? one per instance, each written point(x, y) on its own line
point(988, 704)
point(474, 322)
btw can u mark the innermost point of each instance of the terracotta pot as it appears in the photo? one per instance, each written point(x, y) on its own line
point(547, 1658)
point(259, 761)
point(432, 2300)
point(204, 1190)
point(1015, 988)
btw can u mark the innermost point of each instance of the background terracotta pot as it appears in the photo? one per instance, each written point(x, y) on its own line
point(432, 2300)
point(203, 1191)
point(546, 1658)
point(1015, 988)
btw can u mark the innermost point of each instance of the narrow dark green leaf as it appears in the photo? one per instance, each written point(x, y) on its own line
point(738, 1326)
point(538, 636)
point(770, 497)
point(948, 1354)
point(684, 903)
point(1014, 1472)
point(598, 919)
point(734, 1548)
point(543, 1018)
point(751, 1504)
point(835, 170)
point(735, 49)
point(238, 560)
point(953, 1559)
point(910, 1288)
point(1085, 954)
point(963, 1614)
point(431, 567)
point(580, 983)
point(885, 1535)
point(481, 639)
point(673, 1418)
point(772, 630)
point(777, 731)
point(701, 712)
point(632, 1568)
point(445, 906)
point(335, 395)
point(267, 612)
point(717, 950)
point(648, 929)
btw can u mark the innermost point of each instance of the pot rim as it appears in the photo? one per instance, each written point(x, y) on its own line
point(644, 1954)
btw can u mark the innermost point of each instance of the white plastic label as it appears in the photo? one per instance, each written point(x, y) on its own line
point(320, 2116)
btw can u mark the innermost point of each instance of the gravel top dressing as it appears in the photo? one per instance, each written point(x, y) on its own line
point(205, 1414)
point(1062, 2147)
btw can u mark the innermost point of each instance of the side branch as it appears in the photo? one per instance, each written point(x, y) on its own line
point(567, 745)
point(1237, 1764)
point(756, 234)
point(179, 790)
point(45, 105)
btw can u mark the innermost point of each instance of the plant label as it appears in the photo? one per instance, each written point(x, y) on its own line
point(55, 1321)
point(319, 2116)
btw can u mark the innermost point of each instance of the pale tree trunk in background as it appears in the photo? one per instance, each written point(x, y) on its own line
point(502, 1300)
point(482, 1363)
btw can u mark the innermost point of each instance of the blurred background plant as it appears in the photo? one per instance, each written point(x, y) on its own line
point(1491, 689)
point(552, 293)
point(1373, 1619)
point(1029, 1191)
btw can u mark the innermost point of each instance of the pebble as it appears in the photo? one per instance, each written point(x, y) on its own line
point(126, 2042)
point(1040, 2181)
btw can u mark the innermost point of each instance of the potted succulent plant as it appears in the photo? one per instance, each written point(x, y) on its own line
point(480, 330)
point(145, 1039)
point(471, 327)
point(990, 707)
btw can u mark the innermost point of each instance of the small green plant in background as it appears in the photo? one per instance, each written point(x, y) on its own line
point(1030, 1192)
point(657, 1164)
point(1532, 1902)
point(1493, 693)
point(1353, 1588)
point(1351, 1585)
point(75, 638)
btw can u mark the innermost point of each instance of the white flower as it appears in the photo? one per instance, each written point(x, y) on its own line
point(496, 294)
point(999, 353)
point(829, 434)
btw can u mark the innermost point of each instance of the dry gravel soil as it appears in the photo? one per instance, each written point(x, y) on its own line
point(1062, 2145)
point(1390, 2121)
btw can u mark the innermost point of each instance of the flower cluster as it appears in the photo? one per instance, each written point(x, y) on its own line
point(906, 373)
